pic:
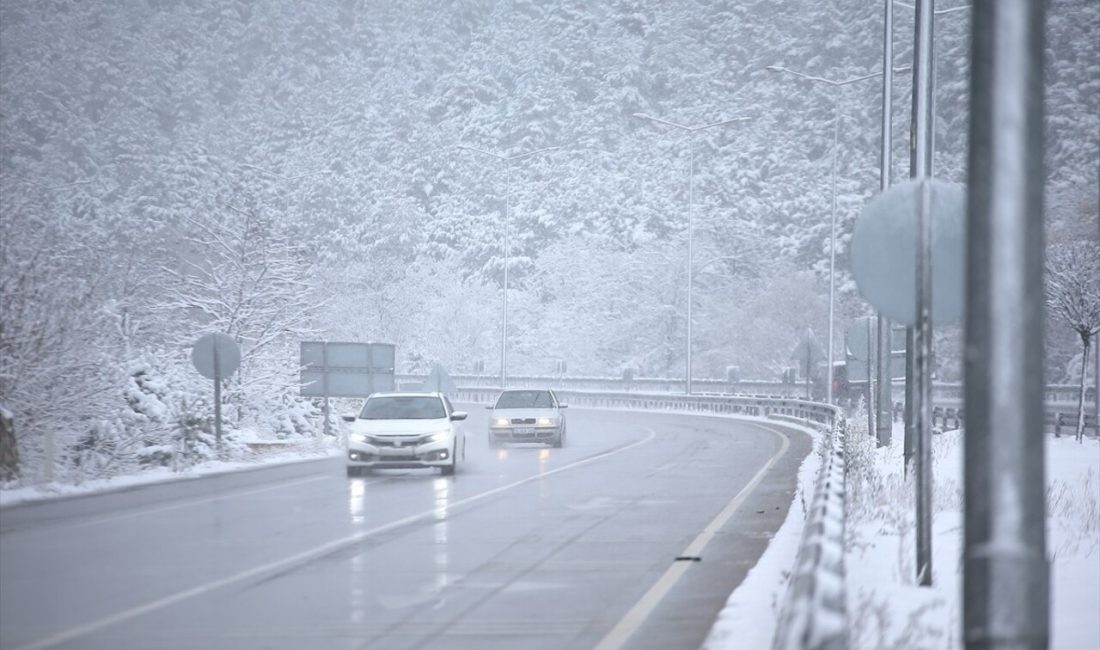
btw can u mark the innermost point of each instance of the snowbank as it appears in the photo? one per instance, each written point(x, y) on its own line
point(749, 616)
point(887, 609)
point(299, 451)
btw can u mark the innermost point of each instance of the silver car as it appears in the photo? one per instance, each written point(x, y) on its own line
point(527, 415)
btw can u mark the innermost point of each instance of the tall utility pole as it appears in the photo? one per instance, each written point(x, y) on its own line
point(1006, 577)
point(883, 401)
point(507, 245)
point(832, 228)
point(691, 131)
point(921, 167)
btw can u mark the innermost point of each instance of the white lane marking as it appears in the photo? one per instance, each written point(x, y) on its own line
point(305, 556)
point(172, 506)
point(633, 619)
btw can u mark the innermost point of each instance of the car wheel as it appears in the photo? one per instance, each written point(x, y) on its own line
point(354, 471)
point(560, 441)
point(493, 444)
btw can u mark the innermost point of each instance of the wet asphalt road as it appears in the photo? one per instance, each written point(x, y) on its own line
point(527, 547)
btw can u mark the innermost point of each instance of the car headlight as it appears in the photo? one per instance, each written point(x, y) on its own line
point(547, 422)
point(500, 422)
point(436, 436)
point(361, 438)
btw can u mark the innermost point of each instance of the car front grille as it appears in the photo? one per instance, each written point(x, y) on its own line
point(393, 442)
point(523, 420)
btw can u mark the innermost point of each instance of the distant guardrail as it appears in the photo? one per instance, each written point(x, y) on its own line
point(813, 412)
point(946, 394)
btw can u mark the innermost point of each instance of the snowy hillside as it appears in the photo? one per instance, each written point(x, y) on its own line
point(282, 174)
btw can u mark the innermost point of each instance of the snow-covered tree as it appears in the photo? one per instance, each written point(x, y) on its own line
point(237, 271)
point(1073, 294)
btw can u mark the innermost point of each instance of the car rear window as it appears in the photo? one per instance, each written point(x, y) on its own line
point(514, 399)
point(403, 408)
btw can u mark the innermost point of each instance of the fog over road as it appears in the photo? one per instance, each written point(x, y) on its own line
point(526, 547)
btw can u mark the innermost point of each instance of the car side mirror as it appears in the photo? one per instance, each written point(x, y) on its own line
point(563, 406)
point(489, 407)
point(458, 415)
point(349, 417)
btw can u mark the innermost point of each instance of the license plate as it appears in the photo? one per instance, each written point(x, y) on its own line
point(525, 429)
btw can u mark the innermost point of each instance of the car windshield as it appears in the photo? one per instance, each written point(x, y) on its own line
point(519, 399)
point(409, 407)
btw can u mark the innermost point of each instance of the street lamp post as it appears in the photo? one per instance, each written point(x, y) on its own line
point(883, 400)
point(691, 131)
point(507, 245)
point(832, 220)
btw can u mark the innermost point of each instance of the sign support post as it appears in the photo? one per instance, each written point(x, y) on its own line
point(216, 356)
point(217, 404)
point(870, 382)
point(324, 390)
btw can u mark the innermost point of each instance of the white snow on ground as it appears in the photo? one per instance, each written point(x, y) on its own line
point(886, 609)
point(748, 618)
point(294, 452)
point(1073, 541)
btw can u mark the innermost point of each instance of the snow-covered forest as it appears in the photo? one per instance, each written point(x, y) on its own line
point(282, 171)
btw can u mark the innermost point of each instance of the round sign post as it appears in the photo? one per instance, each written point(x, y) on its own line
point(216, 356)
point(884, 251)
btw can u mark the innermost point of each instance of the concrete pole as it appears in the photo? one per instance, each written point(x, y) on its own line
point(1006, 602)
point(885, 400)
point(507, 258)
point(832, 249)
point(691, 254)
point(921, 167)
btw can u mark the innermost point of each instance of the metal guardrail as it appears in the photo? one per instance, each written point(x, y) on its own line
point(814, 611)
point(1057, 418)
point(813, 412)
point(947, 394)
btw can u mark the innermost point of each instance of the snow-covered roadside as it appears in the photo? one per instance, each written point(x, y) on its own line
point(886, 608)
point(748, 619)
point(294, 453)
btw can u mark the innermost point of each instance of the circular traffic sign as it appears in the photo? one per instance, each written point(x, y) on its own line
point(216, 352)
point(884, 251)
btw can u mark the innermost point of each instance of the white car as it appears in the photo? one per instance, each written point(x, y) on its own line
point(406, 430)
point(527, 416)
